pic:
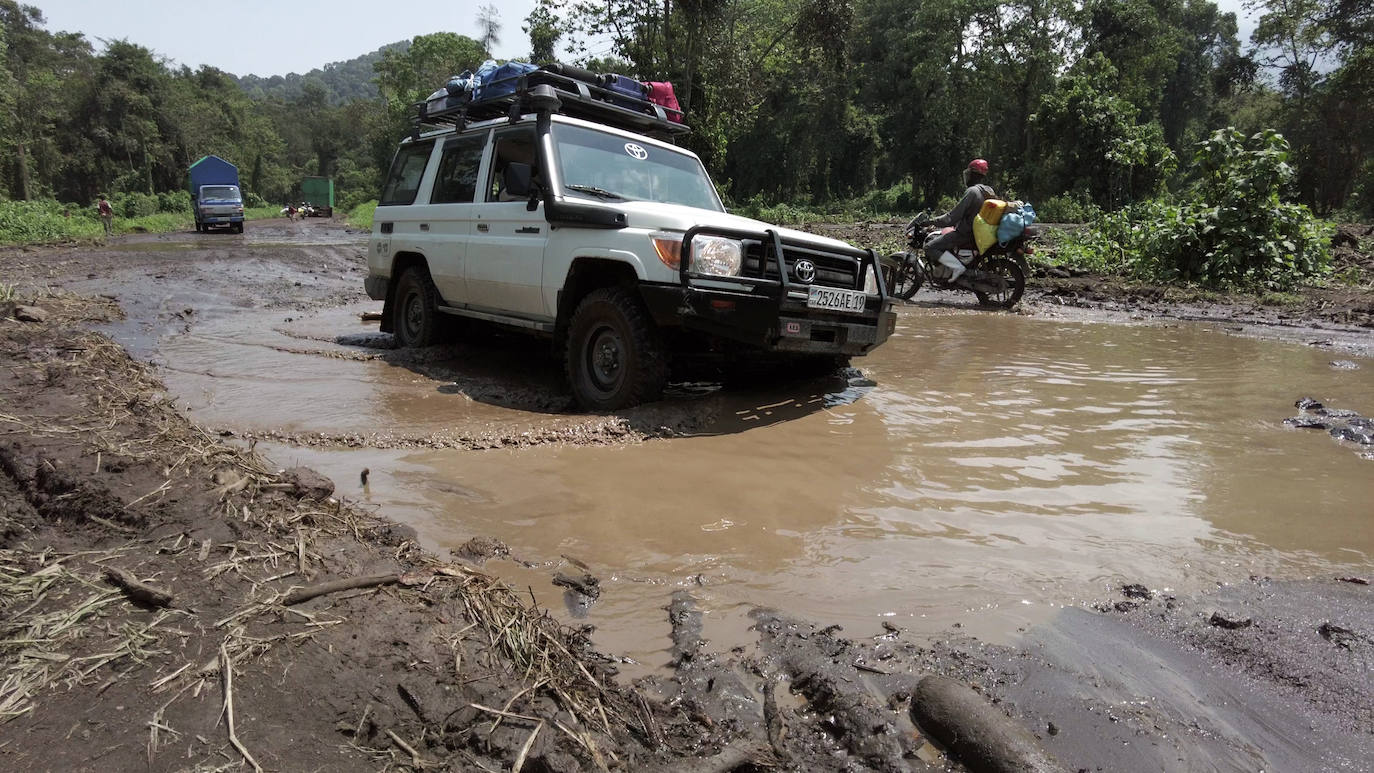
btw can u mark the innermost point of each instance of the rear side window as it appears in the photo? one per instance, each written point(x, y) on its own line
point(456, 182)
point(403, 181)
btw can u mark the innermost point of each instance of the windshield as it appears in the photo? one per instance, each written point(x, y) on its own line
point(609, 167)
point(219, 192)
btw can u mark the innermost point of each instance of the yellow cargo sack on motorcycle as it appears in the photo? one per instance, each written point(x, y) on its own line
point(992, 211)
point(984, 233)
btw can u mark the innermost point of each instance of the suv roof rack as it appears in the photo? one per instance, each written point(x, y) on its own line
point(579, 100)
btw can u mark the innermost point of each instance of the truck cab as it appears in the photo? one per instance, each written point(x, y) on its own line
point(575, 218)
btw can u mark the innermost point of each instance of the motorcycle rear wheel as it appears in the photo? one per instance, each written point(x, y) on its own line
point(906, 276)
point(1011, 274)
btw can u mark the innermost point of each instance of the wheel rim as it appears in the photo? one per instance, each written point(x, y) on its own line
point(412, 316)
point(605, 359)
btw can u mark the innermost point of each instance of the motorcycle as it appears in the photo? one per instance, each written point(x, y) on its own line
point(290, 211)
point(997, 277)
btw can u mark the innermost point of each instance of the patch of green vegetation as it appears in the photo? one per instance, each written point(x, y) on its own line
point(1230, 230)
point(1279, 299)
point(45, 222)
point(361, 215)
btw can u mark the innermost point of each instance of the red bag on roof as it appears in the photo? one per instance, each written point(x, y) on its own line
point(662, 94)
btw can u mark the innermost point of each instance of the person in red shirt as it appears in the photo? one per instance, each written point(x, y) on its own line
point(106, 213)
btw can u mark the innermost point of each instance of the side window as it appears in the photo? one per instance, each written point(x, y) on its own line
point(515, 145)
point(403, 181)
point(456, 182)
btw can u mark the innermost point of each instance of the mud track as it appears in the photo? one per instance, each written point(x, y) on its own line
point(301, 632)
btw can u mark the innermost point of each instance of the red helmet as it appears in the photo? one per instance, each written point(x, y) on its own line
point(978, 166)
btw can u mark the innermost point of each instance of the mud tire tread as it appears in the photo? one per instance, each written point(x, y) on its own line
point(428, 334)
point(648, 361)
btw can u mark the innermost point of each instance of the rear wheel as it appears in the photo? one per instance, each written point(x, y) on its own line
point(416, 313)
point(905, 278)
point(1001, 283)
point(615, 356)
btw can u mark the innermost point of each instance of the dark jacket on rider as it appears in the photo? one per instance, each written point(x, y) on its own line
point(961, 217)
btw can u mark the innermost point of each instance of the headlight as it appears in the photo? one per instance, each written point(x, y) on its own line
point(870, 281)
point(717, 255)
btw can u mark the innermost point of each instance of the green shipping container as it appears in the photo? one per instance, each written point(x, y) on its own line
point(319, 191)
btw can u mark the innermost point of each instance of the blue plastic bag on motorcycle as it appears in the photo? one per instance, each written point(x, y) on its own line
point(1014, 223)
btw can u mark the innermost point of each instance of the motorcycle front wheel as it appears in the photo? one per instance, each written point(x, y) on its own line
point(1009, 279)
point(905, 277)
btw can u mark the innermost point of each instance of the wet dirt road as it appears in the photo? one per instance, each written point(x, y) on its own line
point(983, 469)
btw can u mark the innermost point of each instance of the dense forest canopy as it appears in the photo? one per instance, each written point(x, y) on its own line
point(1098, 101)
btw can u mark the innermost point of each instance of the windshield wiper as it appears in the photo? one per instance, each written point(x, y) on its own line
point(600, 193)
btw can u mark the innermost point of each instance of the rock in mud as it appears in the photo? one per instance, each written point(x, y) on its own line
point(1343, 365)
point(305, 483)
point(1229, 621)
point(479, 549)
point(585, 585)
point(1307, 404)
point(976, 733)
point(1136, 591)
point(30, 314)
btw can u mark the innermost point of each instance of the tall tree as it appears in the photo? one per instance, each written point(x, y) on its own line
point(489, 19)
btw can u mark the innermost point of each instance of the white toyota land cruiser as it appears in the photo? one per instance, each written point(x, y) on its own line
point(554, 211)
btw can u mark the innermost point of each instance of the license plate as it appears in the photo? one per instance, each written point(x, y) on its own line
point(847, 301)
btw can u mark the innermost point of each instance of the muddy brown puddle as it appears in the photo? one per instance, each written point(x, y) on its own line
point(985, 469)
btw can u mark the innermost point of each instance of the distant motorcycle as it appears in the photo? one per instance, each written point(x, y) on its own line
point(997, 277)
point(290, 211)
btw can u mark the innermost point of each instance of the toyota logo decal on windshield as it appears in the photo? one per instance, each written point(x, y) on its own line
point(805, 271)
point(636, 151)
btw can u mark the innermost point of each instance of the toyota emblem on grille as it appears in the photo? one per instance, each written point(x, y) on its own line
point(805, 271)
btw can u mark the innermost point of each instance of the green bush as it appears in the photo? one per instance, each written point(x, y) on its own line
point(361, 215)
point(134, 204)
point(254, 201)
point(39, 222)
point(1070, 208)
point(174, 201)
point(1231, 229)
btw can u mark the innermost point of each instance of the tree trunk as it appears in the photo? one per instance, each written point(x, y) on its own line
point(23, 172)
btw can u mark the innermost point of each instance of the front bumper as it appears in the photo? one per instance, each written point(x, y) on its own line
point(766, 306)
point(770, 323)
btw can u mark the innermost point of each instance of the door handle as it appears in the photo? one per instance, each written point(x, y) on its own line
point(482, 227)
point(424, 226)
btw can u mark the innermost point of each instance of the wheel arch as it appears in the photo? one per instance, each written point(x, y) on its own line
point(585, 275)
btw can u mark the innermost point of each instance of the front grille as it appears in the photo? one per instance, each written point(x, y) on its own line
point(831, 270)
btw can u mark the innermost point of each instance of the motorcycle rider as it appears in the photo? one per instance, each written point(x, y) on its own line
point(943, 247)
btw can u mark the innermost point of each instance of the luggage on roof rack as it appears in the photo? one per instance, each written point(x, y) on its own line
point(578, 98)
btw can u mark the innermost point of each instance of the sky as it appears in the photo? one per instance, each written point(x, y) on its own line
point(253, 37)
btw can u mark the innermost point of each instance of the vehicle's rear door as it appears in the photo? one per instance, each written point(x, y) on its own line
point(505, 263)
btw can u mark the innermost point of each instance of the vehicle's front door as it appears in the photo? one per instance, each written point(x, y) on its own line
point(505, 262)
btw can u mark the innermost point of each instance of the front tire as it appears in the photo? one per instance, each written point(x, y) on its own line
point(615, 356)
point(416, 322)
point(1013, 281)
point(906, 275)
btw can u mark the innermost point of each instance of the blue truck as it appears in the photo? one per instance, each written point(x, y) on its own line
point(216, 198)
